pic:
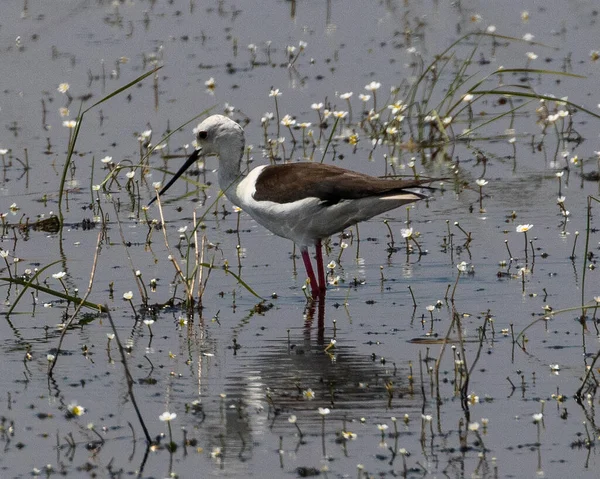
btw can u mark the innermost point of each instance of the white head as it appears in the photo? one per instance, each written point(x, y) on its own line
point(219, 135)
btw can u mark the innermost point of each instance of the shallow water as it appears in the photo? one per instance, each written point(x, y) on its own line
point(236, 372)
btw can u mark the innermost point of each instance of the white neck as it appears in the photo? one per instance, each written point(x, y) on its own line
point(230, 152)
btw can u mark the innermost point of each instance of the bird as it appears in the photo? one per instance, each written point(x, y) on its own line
point(305, 202)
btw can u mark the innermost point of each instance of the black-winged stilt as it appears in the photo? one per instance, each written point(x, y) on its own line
point(304, 202)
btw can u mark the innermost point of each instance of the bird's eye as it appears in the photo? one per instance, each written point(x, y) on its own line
point(202, 135)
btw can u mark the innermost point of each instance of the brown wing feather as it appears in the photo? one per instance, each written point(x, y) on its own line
point(331, 184)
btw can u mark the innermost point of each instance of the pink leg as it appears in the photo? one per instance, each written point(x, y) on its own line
point(314, 286)
point(320, 269)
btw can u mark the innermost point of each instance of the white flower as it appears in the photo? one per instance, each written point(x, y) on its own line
point(308, 394)
point(167, 416)
point(75, 409)
point(523, 228)
point(481, 182)
point(288, 121)
point(331, 265)
point(210, 83)
point(462, 266)
point(397, 107)
point(382, 427)
point(373, 86)
point(537, 417)
point(528, 37)
point(364, 97)
point(3, 253)
point(473, 426)
point(468, 97)
point(63, 87)
point(345, 96)
point(106, 159)
point(128, 295)
point(59, 275)
point(292, 419)
point(316, 106)
point(323, 411)
point(275, 92)
point(406, 232)
point(69, 123)
point(130, 174)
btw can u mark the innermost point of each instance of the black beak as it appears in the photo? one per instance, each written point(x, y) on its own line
point(189, 162)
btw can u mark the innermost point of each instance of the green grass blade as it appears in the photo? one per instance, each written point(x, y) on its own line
point(539, 71)
point(35, 276)
point(535, 96)
point(73, 141)
point(238, 278)
point(51, 292)
point(123, 88)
